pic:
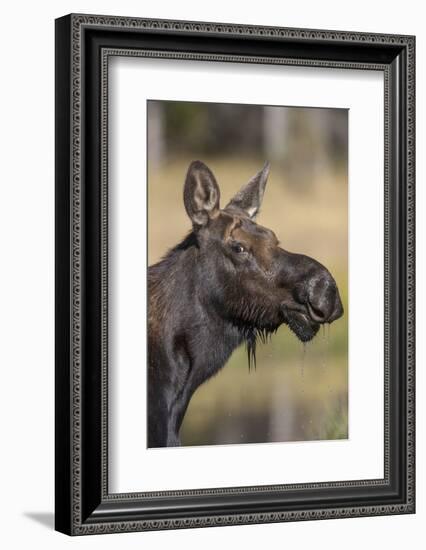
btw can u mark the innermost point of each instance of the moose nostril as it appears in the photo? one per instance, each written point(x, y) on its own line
point(316, 312)
point(323, 300)
point(337, 310)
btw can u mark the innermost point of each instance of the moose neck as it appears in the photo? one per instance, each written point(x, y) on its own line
point(189, 340)
point(182, 293)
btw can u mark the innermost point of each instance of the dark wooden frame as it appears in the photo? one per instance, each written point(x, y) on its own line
point(83, 46)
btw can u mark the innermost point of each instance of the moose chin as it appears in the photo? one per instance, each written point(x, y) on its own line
point(228, 282)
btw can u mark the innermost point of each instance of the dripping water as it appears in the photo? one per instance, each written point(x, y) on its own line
point(323, 349)
point(302, 364)
point(328, 350)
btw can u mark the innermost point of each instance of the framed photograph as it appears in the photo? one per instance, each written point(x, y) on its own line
point(234, 274)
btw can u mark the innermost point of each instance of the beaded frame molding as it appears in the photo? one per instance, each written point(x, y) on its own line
point(84, 44)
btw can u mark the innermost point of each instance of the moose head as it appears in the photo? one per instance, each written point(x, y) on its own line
point(257, 284)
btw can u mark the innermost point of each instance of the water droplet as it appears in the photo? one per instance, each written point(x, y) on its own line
point(302, 367)
point(323, 349)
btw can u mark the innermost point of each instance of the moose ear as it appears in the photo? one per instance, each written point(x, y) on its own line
point(249, 198)
point(201, 193)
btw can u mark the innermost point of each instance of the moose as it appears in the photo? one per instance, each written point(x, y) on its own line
point(228, 282)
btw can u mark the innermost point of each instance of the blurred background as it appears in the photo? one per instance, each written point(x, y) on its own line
point(298, 391)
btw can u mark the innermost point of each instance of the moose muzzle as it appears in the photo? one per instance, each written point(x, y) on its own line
point(313, 287)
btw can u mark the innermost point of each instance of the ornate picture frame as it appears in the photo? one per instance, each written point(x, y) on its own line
point(84, 44)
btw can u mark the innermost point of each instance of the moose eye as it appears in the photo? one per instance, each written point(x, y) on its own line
point(238, 248)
